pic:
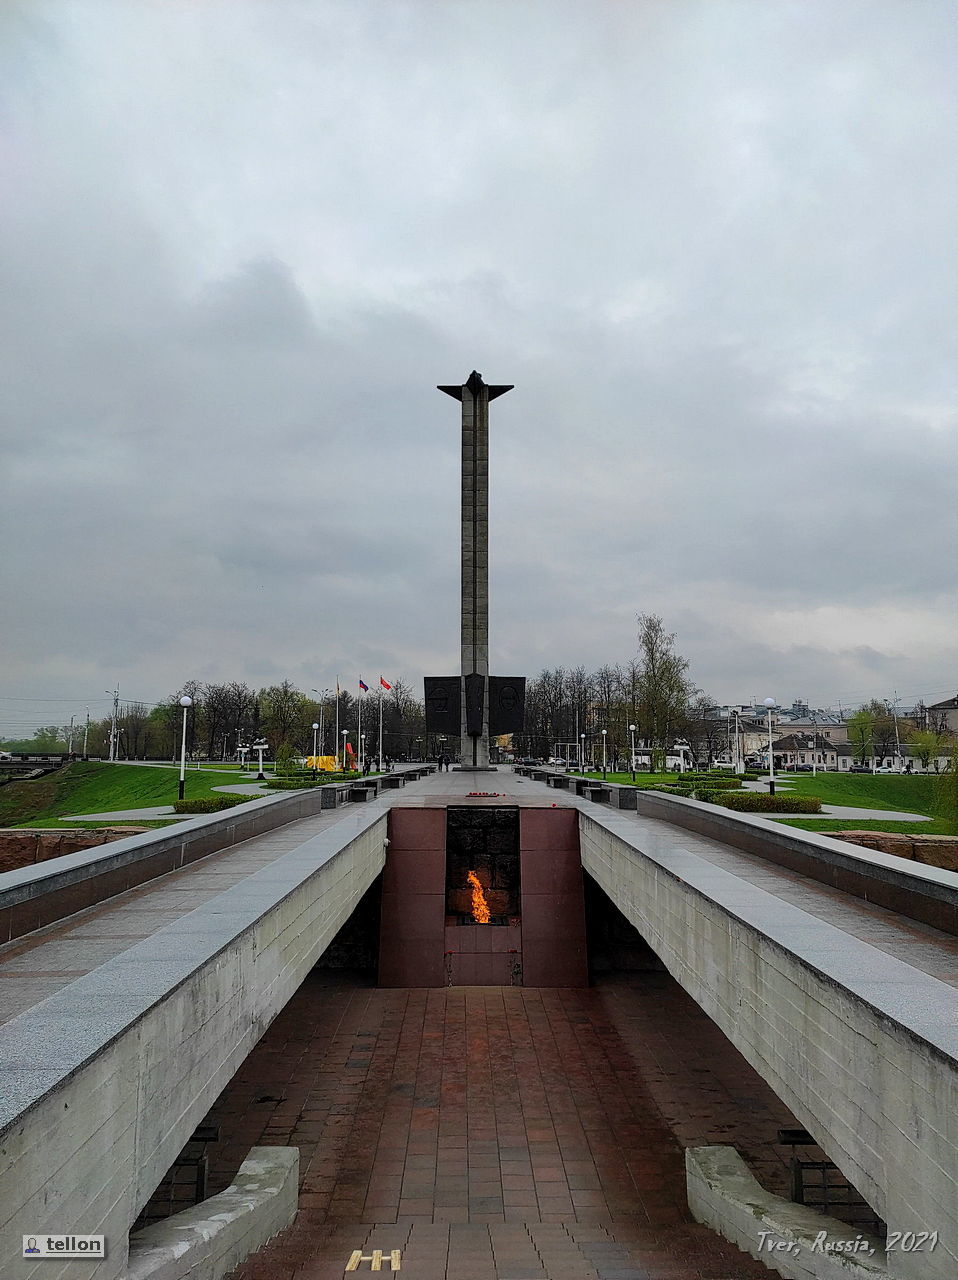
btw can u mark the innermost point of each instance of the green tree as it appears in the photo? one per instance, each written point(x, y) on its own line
point(860, 726)
point(665, 689)
point(928, 744)
point(947, 787)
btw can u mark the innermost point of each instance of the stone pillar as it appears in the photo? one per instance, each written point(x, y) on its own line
point(474, 617)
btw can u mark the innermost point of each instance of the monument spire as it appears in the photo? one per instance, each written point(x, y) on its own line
point(475, 723)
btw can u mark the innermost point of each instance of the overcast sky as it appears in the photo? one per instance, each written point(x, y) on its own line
point(713, 245)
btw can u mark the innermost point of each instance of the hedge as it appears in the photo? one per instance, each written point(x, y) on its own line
point(715, 795)
point(669, 790)
point(210, 804)
point(754, 802)
point(308, 781)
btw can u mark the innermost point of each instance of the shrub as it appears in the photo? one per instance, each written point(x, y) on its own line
point(754, 802)
point(714, 795)
point(670, 790)
point(306, 780)
point(287, 761)
point(210, 804)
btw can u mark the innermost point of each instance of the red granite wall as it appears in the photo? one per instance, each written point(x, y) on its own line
point(413, 923)
point(418, 948)
point(553, 909)
point(483, 955)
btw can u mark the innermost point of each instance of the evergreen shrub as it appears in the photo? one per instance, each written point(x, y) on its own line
point(210, 804)
point(755, 802)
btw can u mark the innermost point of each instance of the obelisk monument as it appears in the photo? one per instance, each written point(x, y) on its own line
point(474, 685)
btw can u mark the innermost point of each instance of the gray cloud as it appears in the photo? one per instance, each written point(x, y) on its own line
point(712, 245)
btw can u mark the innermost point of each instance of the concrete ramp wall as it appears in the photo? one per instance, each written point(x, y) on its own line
point(102, 1084)
point(861, 1046)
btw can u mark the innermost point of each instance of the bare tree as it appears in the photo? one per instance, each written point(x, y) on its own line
point(284, 710)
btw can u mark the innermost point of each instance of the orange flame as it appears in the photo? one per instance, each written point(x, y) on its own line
point(480, 911)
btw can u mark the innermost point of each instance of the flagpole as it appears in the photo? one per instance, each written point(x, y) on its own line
point(359, 731)
point(380, 722)
point(337, 724)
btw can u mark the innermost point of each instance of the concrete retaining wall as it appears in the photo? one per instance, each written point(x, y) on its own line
point(209, 1240)
point(933, 851)
point(860, 1046)
point(24, 846)
point(922, 892)
point(102, 1085)
point(38, 895)
point(793, 1240)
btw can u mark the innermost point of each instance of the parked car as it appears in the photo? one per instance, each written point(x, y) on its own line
point(859, 768)
point(531, 762)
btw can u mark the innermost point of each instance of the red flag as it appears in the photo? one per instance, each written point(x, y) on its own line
point(384, 684)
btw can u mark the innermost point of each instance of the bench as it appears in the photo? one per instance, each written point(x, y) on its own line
point(623, 797)
point(597, 792)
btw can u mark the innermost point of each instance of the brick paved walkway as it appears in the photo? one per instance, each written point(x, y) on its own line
point(497, 1133)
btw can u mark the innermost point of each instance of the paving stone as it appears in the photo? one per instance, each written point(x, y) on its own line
point(498, 1133)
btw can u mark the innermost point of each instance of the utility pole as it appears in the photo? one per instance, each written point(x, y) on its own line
point(70, 737)
point(113, 720)
point(894, 709)
point(86, 732)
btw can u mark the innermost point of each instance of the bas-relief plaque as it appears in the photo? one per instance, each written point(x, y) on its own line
point(442, 705)
point(507, 704)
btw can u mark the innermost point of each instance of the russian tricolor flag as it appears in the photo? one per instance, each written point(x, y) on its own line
point(364, 687)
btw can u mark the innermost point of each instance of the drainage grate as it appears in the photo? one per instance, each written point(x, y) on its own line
point(821, 1185)
point(184, 1183)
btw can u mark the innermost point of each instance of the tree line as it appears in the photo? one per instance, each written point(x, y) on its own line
point(224, 717)
point(567, 708)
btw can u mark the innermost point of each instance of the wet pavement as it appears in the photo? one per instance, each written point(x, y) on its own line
point(498, 1133)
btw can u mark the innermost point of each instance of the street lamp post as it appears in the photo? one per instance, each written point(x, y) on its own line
point(769, 703)
point(604, 734)
point(315, 765)
point(632, 748)
point(582, 753)
point(259, 748)
point(323, 695)
point(362, 752)
point(241, 753)
point(185, 702)
point(86, 731)
point(345, 735)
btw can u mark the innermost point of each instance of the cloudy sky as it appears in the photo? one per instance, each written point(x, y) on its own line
point(712, 243)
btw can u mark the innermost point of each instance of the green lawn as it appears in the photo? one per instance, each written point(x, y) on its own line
point(907, 793)
point(641, 779)
point(92, 787)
